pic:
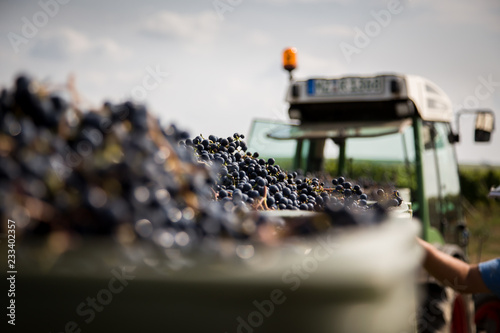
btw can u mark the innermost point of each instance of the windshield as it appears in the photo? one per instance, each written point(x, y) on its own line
point(391, 148)
point(380, 152)
point(386, 159)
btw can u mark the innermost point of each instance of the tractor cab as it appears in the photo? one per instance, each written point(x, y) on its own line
point(386, 128)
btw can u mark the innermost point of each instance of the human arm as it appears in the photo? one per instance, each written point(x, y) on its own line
point(451, 271)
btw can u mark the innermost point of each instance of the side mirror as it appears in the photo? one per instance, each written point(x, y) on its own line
point(485, 124)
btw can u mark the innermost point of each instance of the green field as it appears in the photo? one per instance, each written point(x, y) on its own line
point(484, 226)
point(483, 214)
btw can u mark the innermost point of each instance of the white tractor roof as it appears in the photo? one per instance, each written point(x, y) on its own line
point(431, 102)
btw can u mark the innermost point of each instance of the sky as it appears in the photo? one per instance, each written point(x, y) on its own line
point(211, 66)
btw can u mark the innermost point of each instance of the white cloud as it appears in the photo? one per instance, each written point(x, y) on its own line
point(313, 65)
point(288, 2)
point(125, 78)
point(109, 48)
point(336, 30)
point(60, 45)
point(201, 26)
point(460, 12)
point(260, 38)
point(67, 44)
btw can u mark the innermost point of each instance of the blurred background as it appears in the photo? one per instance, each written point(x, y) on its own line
point(205, 64)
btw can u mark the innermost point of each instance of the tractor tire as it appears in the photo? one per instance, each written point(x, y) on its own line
point(444, 310)
point(487, 313)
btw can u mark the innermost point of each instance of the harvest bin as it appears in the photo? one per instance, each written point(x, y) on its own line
point(354, 280)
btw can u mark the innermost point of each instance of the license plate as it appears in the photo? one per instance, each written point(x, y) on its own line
point(345, 86)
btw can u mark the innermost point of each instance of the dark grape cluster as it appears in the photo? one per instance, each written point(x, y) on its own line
point(353, 194)
point(116, 171)
point(244, 177)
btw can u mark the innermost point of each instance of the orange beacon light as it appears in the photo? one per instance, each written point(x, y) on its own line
point(290, 59)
